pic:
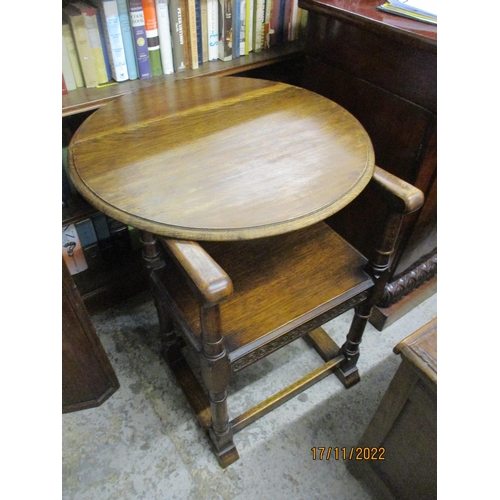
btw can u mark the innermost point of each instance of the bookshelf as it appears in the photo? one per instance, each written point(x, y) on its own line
point(100, 283)
point(84, 100)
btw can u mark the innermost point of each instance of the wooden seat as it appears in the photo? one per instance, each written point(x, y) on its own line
point(235, 302)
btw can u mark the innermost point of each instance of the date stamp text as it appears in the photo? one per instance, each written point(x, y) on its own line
point(330, 453)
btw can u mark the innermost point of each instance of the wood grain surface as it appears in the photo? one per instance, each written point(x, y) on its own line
point(221, 158)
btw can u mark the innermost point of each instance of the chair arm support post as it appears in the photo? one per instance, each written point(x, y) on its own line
point(402, 199)
point(209, 281)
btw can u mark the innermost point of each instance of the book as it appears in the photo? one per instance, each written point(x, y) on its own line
point(82, 43)
point(236, 16)
point(88, 240)
point(287, 19)
point(101, 228)
point(177, 32)
point(225, 30)
point(187, 38)
point(204, 30)
point(163, 19)
point(249, 23)
point(153, 40)
point(274, 22)
point(193, 36)
point(72, 250)
point(67, 71)
point(199, 31)
point(242, 25)
point(266, 30)
point(128, 40)
point(213, 29)
point(419, 10)
point(294, 21)
point(90, 17)
point(280, 35)
point(103, 44)
point(140, 41)
point(259, 12)
point(113, 38)
point(72, 53)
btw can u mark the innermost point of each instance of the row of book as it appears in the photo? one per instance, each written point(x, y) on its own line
point(97, 241)
point(118, 40)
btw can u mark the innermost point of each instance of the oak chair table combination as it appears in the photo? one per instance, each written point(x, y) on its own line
point(229, 180)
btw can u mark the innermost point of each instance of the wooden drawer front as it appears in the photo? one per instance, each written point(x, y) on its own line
point(399, 68)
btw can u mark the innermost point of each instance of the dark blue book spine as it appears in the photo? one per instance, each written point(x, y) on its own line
point(281, 22)
point(140, 39)
point(199, 32)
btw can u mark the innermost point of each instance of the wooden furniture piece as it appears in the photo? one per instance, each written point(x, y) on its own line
point(217, 160)
point(113, 281)
point(88, 379)
point(382, 68)
point(405, 425)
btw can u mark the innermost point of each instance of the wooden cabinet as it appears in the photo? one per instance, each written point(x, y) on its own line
point(88, 378)
point(382, 69)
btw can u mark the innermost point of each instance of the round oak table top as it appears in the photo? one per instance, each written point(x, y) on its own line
point(220, 158)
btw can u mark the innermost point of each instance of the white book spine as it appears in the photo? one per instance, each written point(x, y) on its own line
point(213, 29)
point(114, 40)
point(243, 14)
point(163, 19)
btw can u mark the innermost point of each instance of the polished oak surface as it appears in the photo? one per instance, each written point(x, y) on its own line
point(364, 13)
point(221, 158)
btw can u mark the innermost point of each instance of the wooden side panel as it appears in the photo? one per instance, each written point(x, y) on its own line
point(391, 89)
point(88, 378)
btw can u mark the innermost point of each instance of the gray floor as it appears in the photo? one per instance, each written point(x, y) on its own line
point(143, 443)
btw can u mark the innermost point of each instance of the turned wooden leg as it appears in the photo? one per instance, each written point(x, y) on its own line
point(170, 344)
point(216, 372)
point(348, 372)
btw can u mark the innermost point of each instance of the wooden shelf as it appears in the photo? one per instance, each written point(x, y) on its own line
point(83, 99)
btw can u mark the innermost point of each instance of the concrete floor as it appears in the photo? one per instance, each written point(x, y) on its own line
point(144, 443)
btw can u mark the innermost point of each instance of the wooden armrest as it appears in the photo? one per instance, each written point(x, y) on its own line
point(403, 197)
point(208, 279)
